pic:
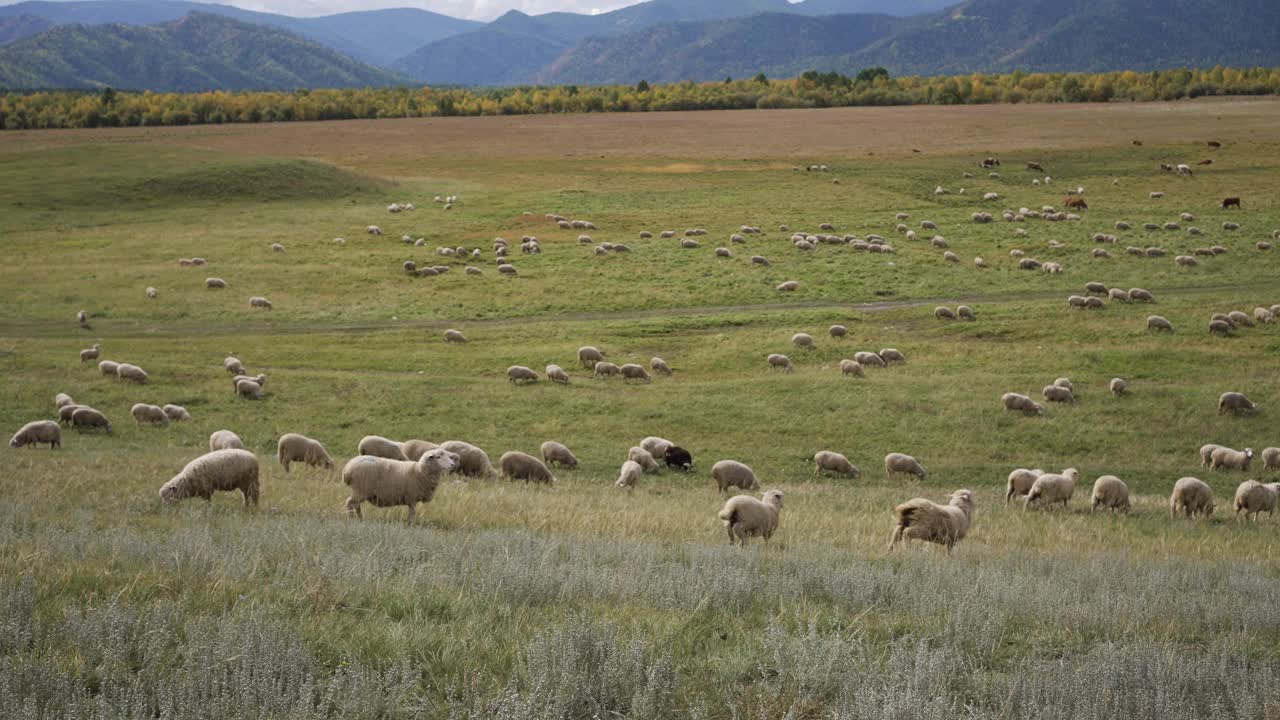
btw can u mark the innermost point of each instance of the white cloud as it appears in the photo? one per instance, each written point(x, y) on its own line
point(471, 9)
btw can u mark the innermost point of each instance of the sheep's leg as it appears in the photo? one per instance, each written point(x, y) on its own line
point(729, 529)
point(896, 537)
point(353, 508)
point(413, 511)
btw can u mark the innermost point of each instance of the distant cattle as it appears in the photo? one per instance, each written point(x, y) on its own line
point(989, 163)
point(1076, 202)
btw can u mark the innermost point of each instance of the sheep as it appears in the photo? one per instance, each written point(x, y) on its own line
point(1240, 318)
point(107, 367)
point(778, 360)
point(1219, 327)
point(454, 336)
point(233, 366)
point(214, 283)
point(90, 353)
point(517, 465)
point(922, 519)
point(507, 270)
point(678, 458)
point(731, 473)
point(556, 374)
point(387, 483)
point(1206, 454)
point(134, 373)
point(37, 432)
point(293, 447)
point(1193, 496)
point(1111, 493)
point(260, 379)
point(259, 302)
point(1020, 482)
point(1271, 458)
point(151, 414)
point(1263, 316)
point(588, 356)
point(605, 369)
point(629, 474)
point(905, 464)
point(1093, 303)
point(471, 270)
point(1224, 458)
point(277, 247)
point(978, 262)
point(641, 457)
point(66, 411)
point(656, 446)
point(851, 367)
point(249, 390)
point(84, 417)
point(1095, 288)
point(890, 355)
point(557, 453)
point(788, 286)
point(62, 400)
point(225, 440)
point(410, 267)
point(723, 252)
point(414, 449)
point(519, 373)
point(835, 462)
point(1118, 295)
point(1052, 488)
point(472, 461)
point(373, 230)
point(658, 365)
point(83, 318)
point(1230, 226)
point(1017, 401)
point(218, 470)
point(1118, 386)
point(759, 260)
point(870, 359)
point(1055, 393)
point(632, 371)
point(964, 312)
point(689, 244)
point(1100, 253)
point(378, 446)
point(1186, 261)
point(1028, 264)
point(1253, 497)
point(950, 257)
point(1236, 403)
point(1141, 295)
point(1155, 194)
point(744, 516)
point(944, 313)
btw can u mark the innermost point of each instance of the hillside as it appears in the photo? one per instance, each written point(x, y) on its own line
point(198, 52)
point(16, 27)
point(376, 36)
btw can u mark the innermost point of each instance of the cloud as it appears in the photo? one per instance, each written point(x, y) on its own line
point(469, 9)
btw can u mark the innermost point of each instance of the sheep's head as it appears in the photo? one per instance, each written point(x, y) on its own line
point(773, 497)
point(962, 498)
point(1071, 474)
point(16, 441)
point(170, 491)
point(441, 459)
point(1248, 453)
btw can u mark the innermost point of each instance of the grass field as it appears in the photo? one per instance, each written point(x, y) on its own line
point(580, 600)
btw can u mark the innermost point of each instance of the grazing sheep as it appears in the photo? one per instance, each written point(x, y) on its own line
point(1263, 316)
point(689, 244)
point(1093, 303)
point(905, 464)
point(520, 373)
point(759, 260)
point(277, 247)
point(1118, 386)
point(378, 446)
point(260, 379)
point(471, 460)
point(454, 336)
point(249, 389)
point(642, 459)
point(1186, 261)
point(1020, 482)
point(1271, 458)
point(62, 400)
point(90, 353)
point(507, 270)
point(470, 270)
point(835, 462)
point(964, 312)
point(978, 262)
point(744, 516)
point(214, 283)
point(413, 449)
point(36, 433)
point(1235, 403)
point(656, 446)
point(125, 371)
point(87, 418)
point(176, 413)
point(588, 356)
point(1028, 264)
point(225, 440)
point(1055, 393)
point(517, 465)
point(1224, 458)
point(1118, 295)
point(1141, 295)
point(631, 371)
point(1253, 497)
point(788, 286)
point(678, 458)
point(83, 318)
point(605, 369)
point(234, 366)
point(1193, 496)
point(1220, 327)
point(1111, 493)
point(870, 359)
point(219, 470)
point(731, 473)
point(778, 360)
point(660, 366)
point(629, 474)
point(851, 367)
point(558, 454)
point(950, 257)
point(922, 519)
point(1206, 454)
point(151, 414)
point(293, 447)
point(387, 483)
point(1052, 488)
point(1239, 318)
point(556, 374)
point(1017, 401)
point(259, 302)
point(944, 313)
point(890, 355)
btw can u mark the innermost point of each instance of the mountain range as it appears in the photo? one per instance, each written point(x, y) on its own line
point(148, 44)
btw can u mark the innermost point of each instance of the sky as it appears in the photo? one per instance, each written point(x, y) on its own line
point(470, 9)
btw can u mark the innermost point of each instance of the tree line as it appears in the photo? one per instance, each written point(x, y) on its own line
point(871, 87)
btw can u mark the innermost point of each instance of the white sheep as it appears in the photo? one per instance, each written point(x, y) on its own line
point(632, 371)
point(454, 336)
point(1020, 482)
point(259, 302)
point(1020, 402)
point(150, 414)
point(964, 312)
point(922, 519)
point(1112, 493)
point(472, 461)
point(588, 356)
point(1118, 386)
point(744, 516)
point(944, 313)
point(1052, 488)
point(656, 446)
point(91, 353)
point(1225, 458)
point(1271, 458)
point(125, 371)
point(605, 369)
point(37, 432)
point(249, 389)
point(517, 465)
point(88, 418)
point(891, 355)
point(233, 366)
point(731, 473)
point(788, 286)
point(902, 463)
point(629, 474)
point(869, 359)
point(851, 367)
point(778, 360)
point(556, 374)
point(293, 447)
point(554, 453)
point(218, 470)
point(519, 373)
point(1253, 497)
point(1159, 322)
point(378, 446)
point(1193, 496)
point(641, 457)
point(802, 340)
point(835, 462)
point(414, 449)
point(176, 413)
point(660, 366)
point(1055, 393)
point(1235, 403)
point(387, 483)
point(214, 283)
